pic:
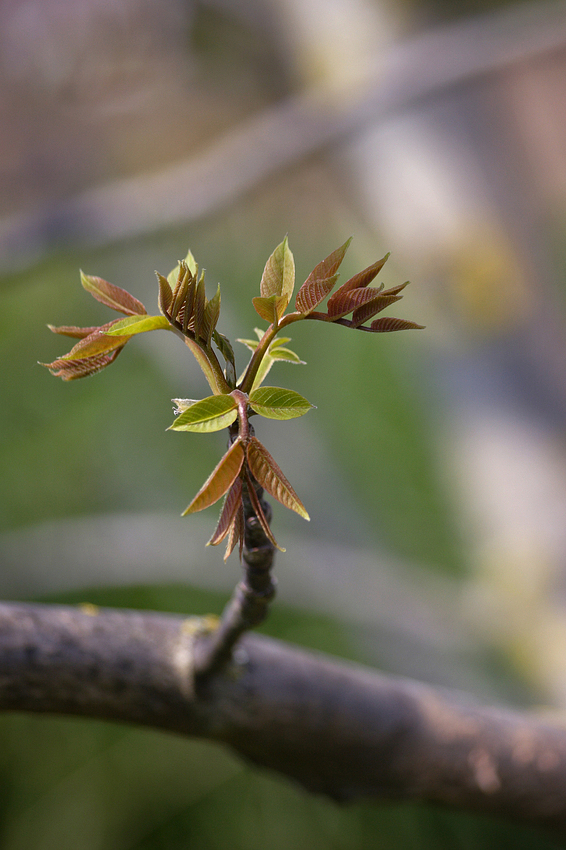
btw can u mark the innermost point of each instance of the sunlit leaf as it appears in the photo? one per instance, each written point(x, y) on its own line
point(209, 414)
point(267, 473)
point(232, 503)
point(278, 403)
point(96, 343)
point(190, 262)
point(390, 324)
point(279, 274)
point(138, 325)
point(112, 296)
point(211, 316)
point(287, 356)
point(270, 308)
point(220, 480)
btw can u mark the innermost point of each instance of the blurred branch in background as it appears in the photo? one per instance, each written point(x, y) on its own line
point(282, 135)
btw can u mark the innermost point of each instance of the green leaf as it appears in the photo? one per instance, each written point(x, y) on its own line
point(96, 343)
point(173, 275)
point(279, 274)
point(278, 403)
point(270, 308)
point(138, 325)
point(287, 355)
point(112, 296)
point(209, 414)
point(211, 316)
point(267, 473)
point(220, 480)
point(225, 348)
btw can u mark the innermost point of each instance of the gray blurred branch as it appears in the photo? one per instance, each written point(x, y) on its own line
point(338, 729)
point(287, 133)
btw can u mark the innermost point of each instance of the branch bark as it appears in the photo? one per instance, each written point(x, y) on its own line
point(337, 728)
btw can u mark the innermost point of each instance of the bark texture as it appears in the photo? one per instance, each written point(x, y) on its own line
point(337, 728)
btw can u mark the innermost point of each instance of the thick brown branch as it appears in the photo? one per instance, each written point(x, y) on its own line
point(338, 729)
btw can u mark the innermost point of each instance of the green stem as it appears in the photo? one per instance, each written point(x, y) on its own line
point(210, 366)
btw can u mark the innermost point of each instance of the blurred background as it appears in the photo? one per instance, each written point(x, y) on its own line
point(434, 467)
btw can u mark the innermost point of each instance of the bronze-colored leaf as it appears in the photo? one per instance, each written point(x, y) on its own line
point(390, 324)
point(96, 343)
point(358, 281)
point(258, 510)
point(211, 316)
point(369, 310)
point(321, 280)
point(236, 533)
point(165, 294)
point(232, 503)
point(220, 480)
point(73, 331)
point(198, 308)
point(179, 293)
point(71, 370)
point(312, 292)
point(268, 474)
point(112, 296)
point(350, 300)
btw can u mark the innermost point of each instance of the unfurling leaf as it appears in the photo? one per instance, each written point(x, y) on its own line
point(112, 296)
point(165, 294)
point(73, 331)
point(358, 281)
point(209, 414)
point(371, 308)
point(189, 261)
point(278, 403)
point(96, 343)
point(225, 348)
point(267, 473)
point(320, 281)
point(220, 480)
point(348, 301)
point(211, 316)
point(387, 325)
point(279, 274)
point(138, 325)
point(258, 510)
point(232, 503)
point(71, 370)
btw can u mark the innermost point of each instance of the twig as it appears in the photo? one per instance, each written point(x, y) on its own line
point(338, 729)
point(250, 601)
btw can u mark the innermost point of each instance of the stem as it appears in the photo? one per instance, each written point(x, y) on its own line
point(247, 382)
point(251, 597)
point(210, 366)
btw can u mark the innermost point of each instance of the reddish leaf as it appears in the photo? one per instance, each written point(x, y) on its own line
point(112, 296)
point(220, 480)
point(179, 293)
point(258, 510)
point(321, 280)
point(72, 331)
point(165, 294)
point(96, 343)
point(359, 281)
point(198, 308)
point(391, 324)
point(236, 533)
point(369, 310)
point(312, 292)
point(395, 290)
point(71, 370)
point(211, 316)
point(344, 303)
point(232, 503)
point(267, 473)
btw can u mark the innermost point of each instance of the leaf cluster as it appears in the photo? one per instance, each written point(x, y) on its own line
point(186, 311)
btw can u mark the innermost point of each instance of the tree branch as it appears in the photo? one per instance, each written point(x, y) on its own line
point(336, 728)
